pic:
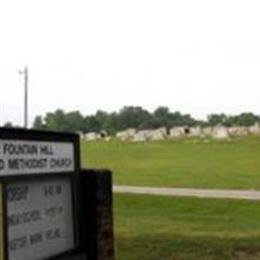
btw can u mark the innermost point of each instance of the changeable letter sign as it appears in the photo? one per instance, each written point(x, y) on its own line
point(38, 174)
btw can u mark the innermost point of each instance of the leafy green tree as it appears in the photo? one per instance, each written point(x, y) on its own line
point(111, 123)
point(91, 124)
point(132, 117)
point(38, 123)
point(56, 121)
point(246, 119)
point(217, 119)
point(74, 121)
point(162, 117)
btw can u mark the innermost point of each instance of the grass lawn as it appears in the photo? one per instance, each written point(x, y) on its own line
point(183, 163)
point(165, 228)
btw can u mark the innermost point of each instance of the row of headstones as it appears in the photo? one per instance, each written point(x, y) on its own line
point(217, 132)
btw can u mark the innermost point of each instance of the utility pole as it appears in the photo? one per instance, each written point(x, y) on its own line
point(25, 74)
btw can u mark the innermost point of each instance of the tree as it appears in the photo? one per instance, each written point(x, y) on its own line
point(217, 119)
point(74, 122)
point(132, 117)
point(246, 119)
point(8, 125)
point(38, 123)
point(111, 123)
point(91, 124)
point(162, 117)
point(56, 121)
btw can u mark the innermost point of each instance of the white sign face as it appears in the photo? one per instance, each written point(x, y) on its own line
point(27, 157)
point(40, 220)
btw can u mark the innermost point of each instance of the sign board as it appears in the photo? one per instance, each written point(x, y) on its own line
point(27, 157)
point(40, 219)
point(2, 244)
point(38, 171)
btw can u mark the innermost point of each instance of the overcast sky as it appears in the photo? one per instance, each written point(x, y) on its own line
point(197, 57)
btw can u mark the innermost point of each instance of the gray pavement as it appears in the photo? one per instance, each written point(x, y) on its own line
point(189, 192)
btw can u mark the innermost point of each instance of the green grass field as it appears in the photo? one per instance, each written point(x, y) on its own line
point(166, 228)
point(184, 163)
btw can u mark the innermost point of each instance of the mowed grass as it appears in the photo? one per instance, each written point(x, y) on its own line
point(184, 163)
point(166, 228)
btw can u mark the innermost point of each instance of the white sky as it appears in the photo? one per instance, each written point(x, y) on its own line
point(197, 57)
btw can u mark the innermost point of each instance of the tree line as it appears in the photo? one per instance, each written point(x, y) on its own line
point(134, 117)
